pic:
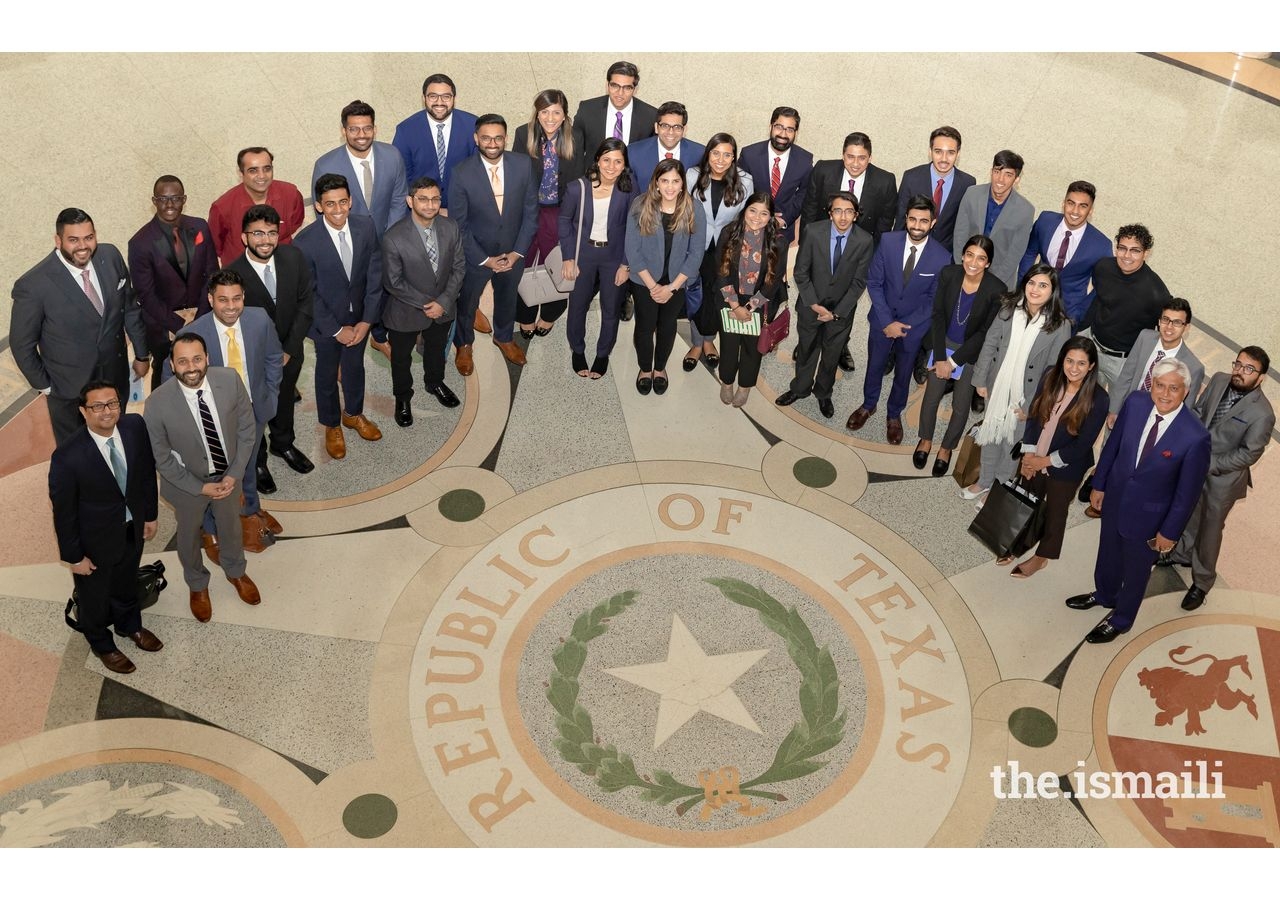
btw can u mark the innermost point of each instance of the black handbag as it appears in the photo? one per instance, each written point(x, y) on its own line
point(151, 582)
point(1011, 520)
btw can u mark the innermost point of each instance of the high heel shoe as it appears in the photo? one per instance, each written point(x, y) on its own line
point(580, 365)
point(599, 367)
point(528, 335)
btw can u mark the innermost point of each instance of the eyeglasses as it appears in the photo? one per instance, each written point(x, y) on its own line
point(170, 200)
point(436, 98)
point(112, 405)
point(663, 126)
point(1237, 366)
point(785, 129)
point(360, 129)
point(623, 88)
point(1165, 320)
point(274, 235)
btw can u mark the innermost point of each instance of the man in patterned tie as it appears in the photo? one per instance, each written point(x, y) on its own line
point(436, 139)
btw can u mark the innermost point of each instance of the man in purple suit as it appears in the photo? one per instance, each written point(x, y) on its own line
point(1069, 243)
point(1146, 485)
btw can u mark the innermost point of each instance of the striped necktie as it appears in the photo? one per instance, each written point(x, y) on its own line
point(217, 456)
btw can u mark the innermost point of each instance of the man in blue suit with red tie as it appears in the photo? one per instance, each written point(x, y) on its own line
point(421, 137)
point(902, 282)
point(941, 179)
point(667, 142)
point(1146, 485)
point(781, 167)
point(1069, 243)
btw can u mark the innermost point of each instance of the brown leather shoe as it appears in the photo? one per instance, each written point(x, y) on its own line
point(247, 590)
point(334, 443)
point(511, 350)
point(1092, 513)
point(482, 323)
point(383, 347)
point(201, 608)
point(363, 427)
point(255, 535)
point(858, 418)
point(893, 430)
point(146, 641)
point(117, 662)
point(210, 544)
point(270, 523)
point(462, 359)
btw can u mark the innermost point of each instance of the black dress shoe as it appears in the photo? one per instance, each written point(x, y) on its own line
point(628, 309)
point(940, 466)
point(978, 404)
point(920, 374)
point(1104, 633)
point(1166, 561)
point(1085, 490)
point(297, 396)
point(1194, 599)
point(266, 484)
point(404, 415)
point(295, 458)
point(846, 360)
point(786, 398)
point(889, 366)
point(826, 407)
point(644, 384)
point(1083, 601)
point(919, 458)
point(448, 399)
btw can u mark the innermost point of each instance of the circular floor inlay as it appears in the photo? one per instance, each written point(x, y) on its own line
point(461, 505)
point(1033, 727)
point(814, 472)
point(369, 816)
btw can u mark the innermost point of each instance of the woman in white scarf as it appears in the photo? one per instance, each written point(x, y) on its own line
point(1024, 340)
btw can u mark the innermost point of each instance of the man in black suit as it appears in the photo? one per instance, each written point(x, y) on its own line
point(618, 113)
point(940, 179)
point(102, 483)
point(277, 278)
point(781, 167)
point(71, 312)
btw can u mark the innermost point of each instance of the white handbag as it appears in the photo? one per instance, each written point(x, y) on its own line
point(545, 283)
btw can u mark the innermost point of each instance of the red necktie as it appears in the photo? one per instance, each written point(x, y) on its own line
point(1151, 439)
point(937, 196)
point(775, 180)
point(1062, 251)
point(179, 249)
point(668, 156)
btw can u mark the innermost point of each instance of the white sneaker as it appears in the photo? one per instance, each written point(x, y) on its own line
point(970, 494)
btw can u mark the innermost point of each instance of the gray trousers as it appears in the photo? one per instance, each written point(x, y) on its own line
point(1201, 540)
point(961, 403)
point(189, 509)
point(997, 463)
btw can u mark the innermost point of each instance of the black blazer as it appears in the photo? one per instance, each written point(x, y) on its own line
point(879, 197)
point(1076, 450)
point(774, 291)
point(590, 118)
point(986, 303)
point(88, 508)
point(569, 169)
point(294, 306)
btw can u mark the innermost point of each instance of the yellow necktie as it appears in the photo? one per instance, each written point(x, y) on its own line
point(234, 358)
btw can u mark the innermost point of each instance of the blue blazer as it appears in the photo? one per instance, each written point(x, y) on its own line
point(388, 183)
point(912, 305)
point(338, 300)
point(795, 181)
point(646, 251)
point(1075, 277)
point(416, 140)
point(1159, 495)
point(645, 155)
point(919, 180)
point(1075, 450)
point(261, 350)
point(485, 231)
point(615, 231)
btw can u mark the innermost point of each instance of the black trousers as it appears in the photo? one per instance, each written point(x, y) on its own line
point(655, 327)
point(1058, 497)
point(108, 596)
point(282, 435)
point(739, 359)
point(434, 340)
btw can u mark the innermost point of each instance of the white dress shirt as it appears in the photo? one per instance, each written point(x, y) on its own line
point(858, 184)
point(1056, 241)
point(93, 277)
point(261, 267)
point(782, 165)
point(611, 119)
point(192, 404)
point(222, 342)
point(357, 166)
point(106, 455)
point(1160, 432)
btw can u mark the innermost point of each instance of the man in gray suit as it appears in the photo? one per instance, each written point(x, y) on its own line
point(1152, 345)
point(423, 267)
point(1240, 420)
point(374, 168)
point(71, 312)
point(202, 432)
point(997, 210)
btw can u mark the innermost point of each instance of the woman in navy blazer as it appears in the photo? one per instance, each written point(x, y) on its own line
point(596, 260)
point(666, 235)
point(1075, 405)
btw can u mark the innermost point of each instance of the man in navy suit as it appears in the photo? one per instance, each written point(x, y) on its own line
point(902, 282)
point(781, 167)
point(434, 141)
point(346, 267)
point(102, 483)
point(1146, 485)
point(618, 112)
point(494, 200)
point(940, 179)
point(170, 259)
point(375, 168)
point(668, 143)
point(1068, 242)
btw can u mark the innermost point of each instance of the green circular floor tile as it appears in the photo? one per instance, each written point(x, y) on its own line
point(461, 505)
point(369, 816)
point(814, 472)
point(1033, 727)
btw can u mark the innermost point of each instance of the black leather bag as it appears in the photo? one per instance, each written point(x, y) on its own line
point(151, 582)
point(1011, 520)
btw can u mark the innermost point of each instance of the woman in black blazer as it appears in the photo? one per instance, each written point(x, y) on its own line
point(964, 306)
point(554, 146)
point(1072, 403)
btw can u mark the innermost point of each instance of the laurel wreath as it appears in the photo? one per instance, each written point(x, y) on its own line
point(820, 729)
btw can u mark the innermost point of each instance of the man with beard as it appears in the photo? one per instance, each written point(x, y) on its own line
point(940, 179)
point(374, 167)
point(257, 187)
point(435, 140)
point(781, 166)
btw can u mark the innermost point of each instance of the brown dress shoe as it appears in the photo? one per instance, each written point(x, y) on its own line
point(858, 418)
point(462, 359)
point(363, 427)
point(383, 347)
point(117, 662)
point(146, 641)
point(210, 544)
point(201, 608)
point(270, 523)
point(255, 535)
point(893, 430)
point(482, 323)
point(247, 590)
point(334, 443)
point(511, 350)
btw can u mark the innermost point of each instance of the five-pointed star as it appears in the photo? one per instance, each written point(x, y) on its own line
point(691, 681)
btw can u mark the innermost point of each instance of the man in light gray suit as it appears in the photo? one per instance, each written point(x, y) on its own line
point(1152, 345)
point(997, 210)
point(373, 169)
point(202, 432)
point(1240, 421)
point(70, 315)
point(423, 267)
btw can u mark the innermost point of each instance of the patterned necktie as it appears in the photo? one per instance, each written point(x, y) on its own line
point(617, 127)
point(852, 182)
point(118, 469)
point(367, 178)
point(433, 249)
point(1151, 439)
point(180, 250)
point(217, 456)
point(344, 252)
point(910, 266)
point(269, 280)
point(235, 359)
point(1062, 251)
point(1229, 399)
point(835, 257)
point(775, 178)
point(440, 149)
point(937, 195)
point(91, 293)
point(495, 181)
point(1146, 382)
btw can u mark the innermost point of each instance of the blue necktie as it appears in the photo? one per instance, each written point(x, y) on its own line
point(835, 257)
point(118, 469)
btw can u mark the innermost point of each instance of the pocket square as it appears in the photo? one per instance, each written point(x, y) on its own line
point(199, 238)
point(1167, 454)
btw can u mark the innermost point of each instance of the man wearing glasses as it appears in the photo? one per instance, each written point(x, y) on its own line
point(1128, 298)
point(781, 166)
point(258, 186)
point(1240, 421)
point(171, 259)
point(619, 113)
point(669, 142)
point(435, 140)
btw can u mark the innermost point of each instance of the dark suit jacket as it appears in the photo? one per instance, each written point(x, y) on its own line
point(261, 350)
point(837, 291)
point(1159, 495)
point(57, 337)
point(1075, 450)
point(876, 208)
point(388, 183)
point(645, 155)
point(1238, 440)
point(293, 308)
point(986, 303)
point(416, 140)
point(567, 169)
point(890, 302)
point(485, 231)
point(615, 230)
point(590, 118)
point(1077, 274)
point(340, 300)
point(790, 198)
point(408, 280)
point(88, 507)
point(160, 284)
point(919, 180)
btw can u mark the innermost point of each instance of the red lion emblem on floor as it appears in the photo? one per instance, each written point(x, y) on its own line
point(1177, 691)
